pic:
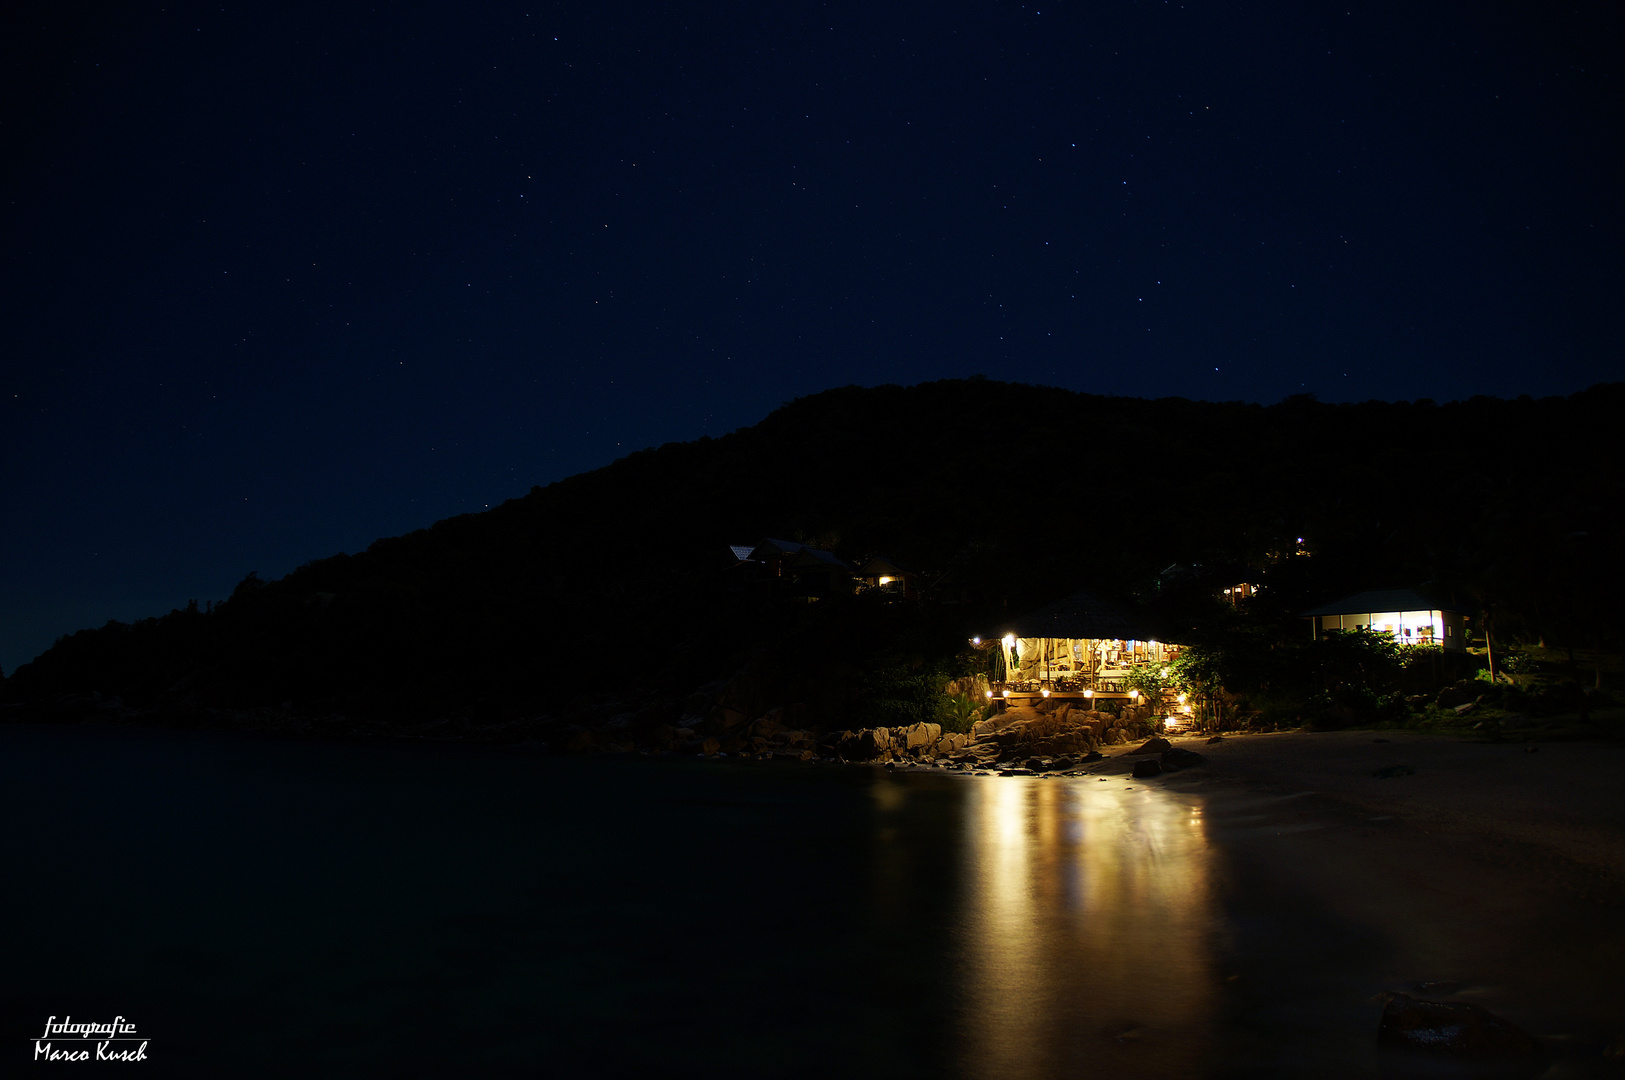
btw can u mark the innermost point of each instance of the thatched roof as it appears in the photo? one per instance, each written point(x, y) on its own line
point(1085, 615)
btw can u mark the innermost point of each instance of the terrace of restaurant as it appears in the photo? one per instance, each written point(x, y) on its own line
point(1081, 648)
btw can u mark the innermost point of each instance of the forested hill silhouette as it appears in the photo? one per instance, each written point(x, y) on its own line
point(621, 579)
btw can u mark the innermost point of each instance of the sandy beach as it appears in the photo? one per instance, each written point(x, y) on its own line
point(1489, 872)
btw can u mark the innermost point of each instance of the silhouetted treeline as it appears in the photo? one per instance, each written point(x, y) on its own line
point(1015, 494)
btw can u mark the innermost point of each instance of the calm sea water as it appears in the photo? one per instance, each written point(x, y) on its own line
point(270, 909)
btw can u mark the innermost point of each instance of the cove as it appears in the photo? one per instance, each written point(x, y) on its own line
point(268, 908)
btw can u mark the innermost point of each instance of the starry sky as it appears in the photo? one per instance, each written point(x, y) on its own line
point(280, 279)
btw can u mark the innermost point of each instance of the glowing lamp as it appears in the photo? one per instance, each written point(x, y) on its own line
point(1045, 691)
point(886, 580)
point(1009, 640)
point(1007, 693)
point(975, 641)
point(1088, 693)
point(990, 693)
point(1169, 721)
point(1182, 698)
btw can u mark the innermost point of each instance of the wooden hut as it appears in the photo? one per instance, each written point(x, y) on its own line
point(1081, 647)
point(1411, 617)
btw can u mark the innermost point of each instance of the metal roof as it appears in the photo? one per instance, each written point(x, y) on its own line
point(809, 555)
point(771, 547)
point(1085, 615)
point(1366, 603)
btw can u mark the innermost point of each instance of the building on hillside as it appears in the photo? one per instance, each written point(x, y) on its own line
point(775, 555)
point(819, 573)
point(1411, 617)
point(888, 577)
point(1080, 647)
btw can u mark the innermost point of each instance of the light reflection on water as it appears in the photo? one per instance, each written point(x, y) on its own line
point(1083, 930)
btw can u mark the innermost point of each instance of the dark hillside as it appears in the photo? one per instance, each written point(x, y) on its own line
point(621, 578)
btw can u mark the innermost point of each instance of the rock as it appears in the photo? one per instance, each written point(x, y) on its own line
point(1035, 764)
point(1154, 745)
point(1451, 696)
point(1093, 755)
point(865, 745)
point(1216, 738)
point(1116, 737)
point(709, 747)
point(1458, 1029)
point(1176, 758)
point(921, 735)
point(1147, 768)
point(1463, 710)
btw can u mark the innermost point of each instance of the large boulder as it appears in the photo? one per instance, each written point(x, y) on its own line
point(1451, 696)
point(1146, 769)
point(1175, 758)
point(1454, 1028)
point(1155, 745)
point(769, 724)
point(920, 736)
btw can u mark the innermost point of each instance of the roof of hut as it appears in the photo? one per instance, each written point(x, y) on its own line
point(1086, 615)
point(1379, 600)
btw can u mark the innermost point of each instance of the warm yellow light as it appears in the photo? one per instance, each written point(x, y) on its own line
point(1009, 640)
point(1088, 693)
point(1182, 698)
point(1007, 693)
point(886, 580)
point(1164, 673)
point(1169, 721)
point(1044, 692)
point(1187, 710)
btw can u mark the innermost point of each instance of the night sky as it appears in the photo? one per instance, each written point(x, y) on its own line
point(282, 279)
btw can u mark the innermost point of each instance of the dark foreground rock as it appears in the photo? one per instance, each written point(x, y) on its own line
point(1146, 769)
point(1456, 1029)
point(1176, 758)
point(1154, 745)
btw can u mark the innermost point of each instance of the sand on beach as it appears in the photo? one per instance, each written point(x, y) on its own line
point(1484, 871)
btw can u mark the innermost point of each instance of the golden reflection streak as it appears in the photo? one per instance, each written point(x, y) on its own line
point(1086, 930)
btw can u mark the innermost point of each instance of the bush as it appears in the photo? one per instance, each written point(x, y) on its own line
point(958, 712)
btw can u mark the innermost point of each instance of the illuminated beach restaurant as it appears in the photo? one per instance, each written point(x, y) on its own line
point(1413, 619)
point(1081, 647)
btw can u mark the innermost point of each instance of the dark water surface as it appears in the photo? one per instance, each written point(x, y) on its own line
point(269, 909)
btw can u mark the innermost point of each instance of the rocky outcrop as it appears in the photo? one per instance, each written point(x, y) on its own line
point(1456, 1029)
